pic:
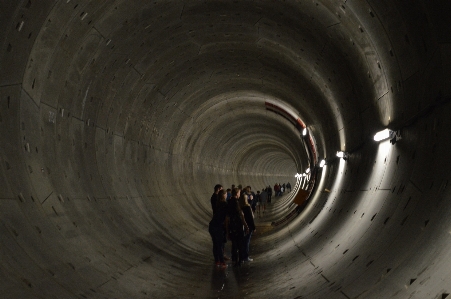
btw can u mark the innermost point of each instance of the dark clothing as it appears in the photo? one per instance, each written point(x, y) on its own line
point(217, 235)
point(238, 250)
point(263, 197)
point(233, 206)
point(217, 230)
point(235, 224)
point(249, 218)
point(276, 190)
point(256, 200)
point(247, 238)
point(249, 200)
point(219, 217)
point(214, 201)
point(236, 230)
point(269, 191)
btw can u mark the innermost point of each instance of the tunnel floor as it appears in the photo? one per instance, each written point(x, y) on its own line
point(187, 270)
point(194, 274)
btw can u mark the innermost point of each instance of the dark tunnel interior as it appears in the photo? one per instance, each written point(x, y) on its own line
point(118, 117)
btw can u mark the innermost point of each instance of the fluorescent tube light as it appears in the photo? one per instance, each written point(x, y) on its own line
point(382, 135)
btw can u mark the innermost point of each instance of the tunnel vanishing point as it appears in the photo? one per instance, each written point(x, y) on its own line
point(118, 117)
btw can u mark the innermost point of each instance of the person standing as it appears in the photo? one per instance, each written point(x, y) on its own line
point(236, 227)
point(255, 202)
point(250, 195)
point(216, 229)
point(269, 191)
point(214, 197)
point(254, 199)
point(289, 186)
point(263, 199)
point(249, 217)
point(276, 189)
point(229, 194)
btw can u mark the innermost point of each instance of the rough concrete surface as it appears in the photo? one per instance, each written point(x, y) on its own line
point(117, 118)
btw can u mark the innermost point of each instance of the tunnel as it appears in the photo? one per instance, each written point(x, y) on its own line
point(119, 117)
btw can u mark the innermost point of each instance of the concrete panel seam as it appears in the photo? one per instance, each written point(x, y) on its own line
point(47, 197)
point(37, 105)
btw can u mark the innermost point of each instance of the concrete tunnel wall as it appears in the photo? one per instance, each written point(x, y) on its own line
point(117, 118)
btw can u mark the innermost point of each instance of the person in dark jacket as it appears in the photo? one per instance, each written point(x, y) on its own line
point(269, 191)
point(237, 227)
point(288, 186)
point(217, 227)
point(276, 190)
point(214, 197)
point(249, 218)
point(255, 202)
point(263, 199)
point(250, 195)
point(229, 194)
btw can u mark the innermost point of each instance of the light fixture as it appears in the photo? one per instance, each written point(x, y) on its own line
point(304, 132)
point(307, 170)
point(382, 135)
point(304, 175)
point(322, 163)
point(343, 155)
point(298, 175)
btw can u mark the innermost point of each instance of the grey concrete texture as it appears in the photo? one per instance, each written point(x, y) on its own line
point(117, 118)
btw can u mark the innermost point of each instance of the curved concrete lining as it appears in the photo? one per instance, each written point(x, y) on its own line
point(117, 119)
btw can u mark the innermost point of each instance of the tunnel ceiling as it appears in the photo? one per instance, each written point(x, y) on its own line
point(118, 117)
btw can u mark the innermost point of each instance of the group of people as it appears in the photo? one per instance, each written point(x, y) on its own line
point(233, 219)
point(279, 189)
